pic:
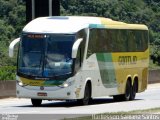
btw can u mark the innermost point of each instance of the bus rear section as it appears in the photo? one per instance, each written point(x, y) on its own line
point(121, 55)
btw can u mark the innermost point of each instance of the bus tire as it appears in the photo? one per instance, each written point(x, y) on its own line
point(36, 102)
point(87, 96)
point(128, 90)
point(126, 95)
point(134, 90)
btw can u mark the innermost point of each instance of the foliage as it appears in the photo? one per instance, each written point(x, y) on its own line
point(130, 11)
point(12, 19)
point(7, 73)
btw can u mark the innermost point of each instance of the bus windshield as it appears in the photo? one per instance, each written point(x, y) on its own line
point(45, 55)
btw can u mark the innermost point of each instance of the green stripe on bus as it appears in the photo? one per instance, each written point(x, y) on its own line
point(107, 70)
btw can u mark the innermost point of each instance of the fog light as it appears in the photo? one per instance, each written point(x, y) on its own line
point(17, 91)
point(68, 93)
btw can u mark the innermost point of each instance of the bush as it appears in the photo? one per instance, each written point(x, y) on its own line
point(7, 72)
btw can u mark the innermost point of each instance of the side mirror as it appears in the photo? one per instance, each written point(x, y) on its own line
point(75, 47)
point(11, 47)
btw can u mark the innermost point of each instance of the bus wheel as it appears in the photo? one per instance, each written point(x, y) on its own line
point(126, 96)
point(87, 96)
point(134, 90)
point(36, 102)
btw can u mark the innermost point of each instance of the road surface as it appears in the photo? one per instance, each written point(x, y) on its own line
point(60, 109)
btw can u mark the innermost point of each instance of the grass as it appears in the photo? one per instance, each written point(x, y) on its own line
point(118, 114)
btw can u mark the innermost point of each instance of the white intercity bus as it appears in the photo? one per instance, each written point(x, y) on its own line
point(81, 58)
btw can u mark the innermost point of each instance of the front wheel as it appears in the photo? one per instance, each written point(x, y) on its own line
point(87, 96)
point(36, 102)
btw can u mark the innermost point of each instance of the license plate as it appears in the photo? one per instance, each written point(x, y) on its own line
point(41, 94)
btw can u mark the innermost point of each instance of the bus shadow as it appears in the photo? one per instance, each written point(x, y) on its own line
point(75, 104)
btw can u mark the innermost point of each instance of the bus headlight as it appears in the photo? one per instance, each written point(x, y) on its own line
point(67, 84)
point(20, 83)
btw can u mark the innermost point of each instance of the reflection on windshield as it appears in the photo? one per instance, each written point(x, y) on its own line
point(58, 56)
point(47, 56)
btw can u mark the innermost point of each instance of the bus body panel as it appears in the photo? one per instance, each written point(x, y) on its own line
point(91, 70)
point(134, 64)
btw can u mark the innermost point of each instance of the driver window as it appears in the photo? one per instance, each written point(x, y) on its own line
point(81, 49)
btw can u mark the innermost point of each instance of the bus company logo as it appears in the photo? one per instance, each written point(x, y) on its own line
point(41, 88)
point(127, 60)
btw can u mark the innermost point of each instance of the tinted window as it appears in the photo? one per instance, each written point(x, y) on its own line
point(80, 53)
point(112, 40)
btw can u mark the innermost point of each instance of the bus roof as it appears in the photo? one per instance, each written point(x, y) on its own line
point(72, 24)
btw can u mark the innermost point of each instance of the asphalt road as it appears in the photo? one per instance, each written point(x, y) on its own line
point(60, 109)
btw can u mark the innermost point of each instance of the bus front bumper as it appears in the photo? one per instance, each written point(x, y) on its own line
point(67, 93)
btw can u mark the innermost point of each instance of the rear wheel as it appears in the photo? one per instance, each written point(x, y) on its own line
point(128, 91)
point(134, 90)
point(126, 96)
point(36, 102)
point(87, 96)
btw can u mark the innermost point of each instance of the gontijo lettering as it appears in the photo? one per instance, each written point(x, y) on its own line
point(127, 60)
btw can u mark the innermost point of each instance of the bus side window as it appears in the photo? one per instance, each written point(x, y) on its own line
point(81, 49)
point(93, 42)
point(144, 40)
point(131, 41)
